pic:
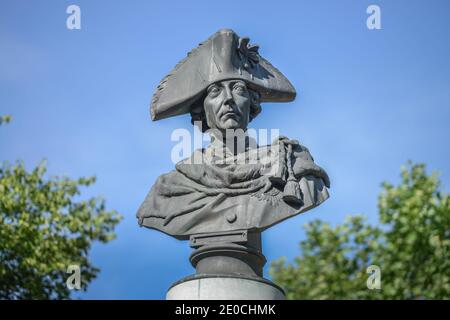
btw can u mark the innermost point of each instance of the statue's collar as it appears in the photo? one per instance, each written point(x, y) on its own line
point(232, 146)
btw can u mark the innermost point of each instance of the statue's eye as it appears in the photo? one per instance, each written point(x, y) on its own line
point(213, 91)
point(239, 88)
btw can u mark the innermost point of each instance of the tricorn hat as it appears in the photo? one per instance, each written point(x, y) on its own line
point(223, 56)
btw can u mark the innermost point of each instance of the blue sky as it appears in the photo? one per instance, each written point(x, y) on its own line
point(368, 101)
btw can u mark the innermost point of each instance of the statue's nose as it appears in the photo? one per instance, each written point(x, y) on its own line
point(228, 96)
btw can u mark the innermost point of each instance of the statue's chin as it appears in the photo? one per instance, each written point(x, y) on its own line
point(231, 124)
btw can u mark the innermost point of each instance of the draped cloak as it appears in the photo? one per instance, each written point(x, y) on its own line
point(216, 190)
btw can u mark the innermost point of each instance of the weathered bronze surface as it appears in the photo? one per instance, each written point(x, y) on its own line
point(222, 84)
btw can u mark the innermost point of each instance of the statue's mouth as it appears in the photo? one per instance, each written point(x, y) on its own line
point(230, 115)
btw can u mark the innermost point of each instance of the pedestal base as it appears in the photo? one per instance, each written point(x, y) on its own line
point(229, 266)
point(224, 287)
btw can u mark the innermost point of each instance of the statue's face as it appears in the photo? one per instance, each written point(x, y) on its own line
point(227, 105)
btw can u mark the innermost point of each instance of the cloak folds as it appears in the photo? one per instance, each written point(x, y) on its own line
point(254, 189)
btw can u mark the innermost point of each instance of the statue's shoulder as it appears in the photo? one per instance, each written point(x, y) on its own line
point(302, 160)
point(165, 182)
point(298, 150)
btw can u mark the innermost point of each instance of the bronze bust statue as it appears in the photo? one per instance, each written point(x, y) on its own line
point(222, 84)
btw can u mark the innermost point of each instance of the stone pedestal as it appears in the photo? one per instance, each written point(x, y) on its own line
point(229, 266)
point(224, 288)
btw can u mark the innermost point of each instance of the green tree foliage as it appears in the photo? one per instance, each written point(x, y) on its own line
point(411, 245)
point(45, 226)
point(5, 119)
